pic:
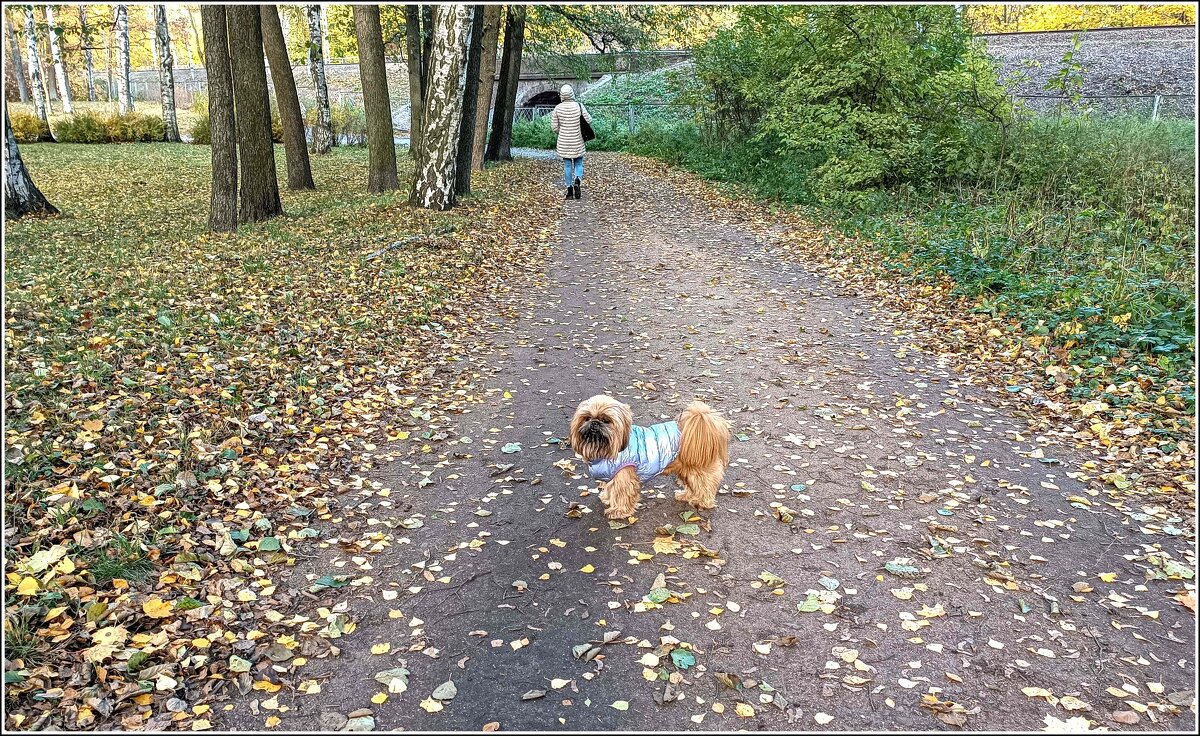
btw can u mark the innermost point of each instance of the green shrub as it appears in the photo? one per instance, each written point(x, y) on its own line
point(29, 128)
point(349, 123)
point(611, 134)
point(89, 127)
point(534, 133)
point(202, 134)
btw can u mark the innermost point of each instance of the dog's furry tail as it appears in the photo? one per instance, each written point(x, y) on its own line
point(704, 439)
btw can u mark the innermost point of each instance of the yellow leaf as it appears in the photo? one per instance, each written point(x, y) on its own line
point(382, 648)
point(28, 586)
point(431, 706)
point(379, 698)
point(94, 425)
point(587, 568)
point(267, 686)
point(1108, 577)
point(156, 608)
point(273, 721)
point(745, 710)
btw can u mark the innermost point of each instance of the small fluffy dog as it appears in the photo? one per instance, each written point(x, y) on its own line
point(694, 449)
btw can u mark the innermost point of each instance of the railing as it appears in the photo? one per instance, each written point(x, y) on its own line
point(1155, 106)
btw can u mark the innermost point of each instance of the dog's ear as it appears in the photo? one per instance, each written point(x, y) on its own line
point(577, 421)
point(624, 420)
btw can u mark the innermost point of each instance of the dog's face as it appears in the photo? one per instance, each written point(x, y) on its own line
point(600, 428)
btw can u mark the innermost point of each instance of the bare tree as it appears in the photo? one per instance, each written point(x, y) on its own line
point(166, 73)
point(18, 65)
point(381, 144)
point(470, 98)
point(124, 94)
point(499, 146)
point(492, 15)
point(85, 40)
point(322, 139)
point(433, 182)
point(222, 209)
point(21, 195)
point(295, 147)
point(35, 67)
point(258, 190)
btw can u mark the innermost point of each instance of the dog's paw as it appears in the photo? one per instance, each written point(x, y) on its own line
point(618, 513)
point(701, 505)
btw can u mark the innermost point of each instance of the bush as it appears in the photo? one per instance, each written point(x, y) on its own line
point(611, 134)
point(29, 128)
point(88, 127)
point(202, 134)
point(349, 123)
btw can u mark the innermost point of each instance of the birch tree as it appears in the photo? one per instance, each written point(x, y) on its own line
point(21, 195)
point(433, 182)
point(258, 187)
point(124, 93)
point(60, 69)
point(492, 15)
point(18, 66)
point(499, 146)
point(35, 67)
point(322, 138)
point(381, 145)
point(85, 40)
point(222, 209)
point(295, 148)
point(470, 98)
point(166, 73)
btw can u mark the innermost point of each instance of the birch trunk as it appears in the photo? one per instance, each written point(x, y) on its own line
point(85, 40)
point(325, 31)
point(18, 65)
point(60, 69)
point(499, 146)
point(287, 101)
point(166, 74)
point(433, 183)
point(21, 195)
point(381, 145)
point(124, 93)
point(258, 193)
point(35, 66)
point(416, 90)
point(492, 16)
point(470, 98)
point(222, 211)
point(322, 140)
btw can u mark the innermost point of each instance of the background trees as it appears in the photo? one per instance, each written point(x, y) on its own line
point(124, 94)
point(222, 212)
point(499, 146)
point(322, 139)
point(60, 70)
point(166, 74)
point(258, 190)
point(35, 67)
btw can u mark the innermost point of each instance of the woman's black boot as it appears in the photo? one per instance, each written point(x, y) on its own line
point(570, 193)
point(576, 188)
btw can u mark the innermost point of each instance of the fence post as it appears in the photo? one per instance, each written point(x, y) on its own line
point(632, 129)
point(1154, 114)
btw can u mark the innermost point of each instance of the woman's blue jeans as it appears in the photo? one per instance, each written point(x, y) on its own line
point(572, 170)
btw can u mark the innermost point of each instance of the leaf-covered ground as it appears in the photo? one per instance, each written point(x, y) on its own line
point(902, 541)
point(177, 400)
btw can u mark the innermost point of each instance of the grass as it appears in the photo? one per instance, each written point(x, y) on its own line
point(122, 559)
point(184, 117)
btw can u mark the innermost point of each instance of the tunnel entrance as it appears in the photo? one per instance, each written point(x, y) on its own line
point(549, 98)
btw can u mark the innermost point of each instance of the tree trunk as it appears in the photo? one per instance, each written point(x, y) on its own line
point(433, 183)
point(416, 89)
point(60, 69)
point(323, 132)
point(85, 40)
point(196, 34)
point(18, 65)
point(21, 195)
point(325, 31)
point(258, 193)
point(166, 73)
point(470, 98)
point(222, 209)
point(124, 93)
point(381, 145)
point(426, 43)
point(295, 147)
point(35, 66)
point(499, 146)
point(492, 15)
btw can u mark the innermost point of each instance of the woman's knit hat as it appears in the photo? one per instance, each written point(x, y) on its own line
point(566, 92)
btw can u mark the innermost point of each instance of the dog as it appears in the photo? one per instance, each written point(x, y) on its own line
point(695, 449)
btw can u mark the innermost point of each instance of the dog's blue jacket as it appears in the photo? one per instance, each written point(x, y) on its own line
point(650, 450)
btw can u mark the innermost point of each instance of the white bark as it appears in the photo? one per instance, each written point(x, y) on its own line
point(60, 69)
point(323, 132)
point(86, 42)
point(21, 195)
point(35, 66)
point(433, 184)
point(166, 74)
point(324, 31)
point(124, 93)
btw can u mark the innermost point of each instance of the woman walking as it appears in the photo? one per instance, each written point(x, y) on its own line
point(565, 121)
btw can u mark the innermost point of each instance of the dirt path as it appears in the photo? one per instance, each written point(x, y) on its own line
point(839, 417)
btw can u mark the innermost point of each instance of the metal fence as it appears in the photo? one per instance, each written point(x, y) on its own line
point(1154, 107)
point(621, 114)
